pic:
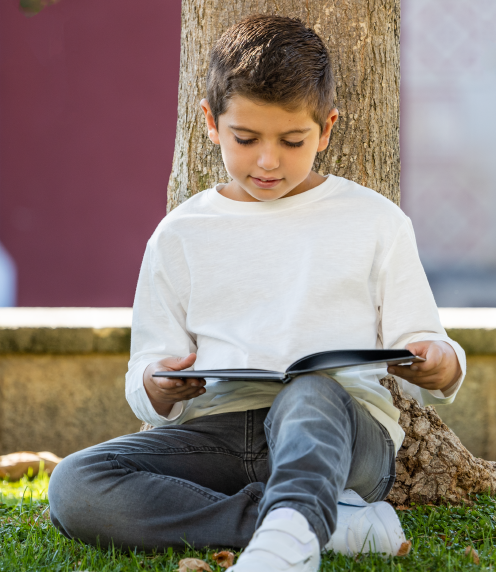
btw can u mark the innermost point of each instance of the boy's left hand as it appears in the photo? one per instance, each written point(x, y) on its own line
point(441, 369)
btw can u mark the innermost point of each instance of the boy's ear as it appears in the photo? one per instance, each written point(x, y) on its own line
point(213, 134)
point(326, 132)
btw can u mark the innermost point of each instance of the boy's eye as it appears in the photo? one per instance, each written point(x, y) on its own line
point(243, 141)
point(294, 144)
point(250, 141)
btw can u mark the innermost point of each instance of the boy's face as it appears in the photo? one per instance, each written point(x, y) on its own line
point(268, 151)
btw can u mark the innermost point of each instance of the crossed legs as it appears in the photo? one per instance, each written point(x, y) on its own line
point(212, 480)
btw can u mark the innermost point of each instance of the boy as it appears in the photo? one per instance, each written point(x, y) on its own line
point(279, 263)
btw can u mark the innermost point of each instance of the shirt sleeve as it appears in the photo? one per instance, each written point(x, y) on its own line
point(158, 331)
point(408, 311)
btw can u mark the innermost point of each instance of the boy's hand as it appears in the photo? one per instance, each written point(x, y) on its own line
point(440, 370)
point(165, 391)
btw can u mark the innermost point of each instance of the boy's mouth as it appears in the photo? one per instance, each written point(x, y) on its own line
point(265, 183)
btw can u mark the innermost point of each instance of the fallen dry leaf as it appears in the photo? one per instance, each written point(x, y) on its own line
point(472, 554)
point(194, 564)
point(225, 559)
point(402, 507)
point(404, 548)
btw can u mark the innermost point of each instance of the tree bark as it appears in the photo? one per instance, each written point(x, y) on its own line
point(363, 39)
point(432, 466)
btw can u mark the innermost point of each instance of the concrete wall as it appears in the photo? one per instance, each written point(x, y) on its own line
point(62, 378)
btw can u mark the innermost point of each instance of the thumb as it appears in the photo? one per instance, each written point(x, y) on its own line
point(419, 348)
point(178, 363)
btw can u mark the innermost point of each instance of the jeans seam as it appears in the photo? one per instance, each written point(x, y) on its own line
point(268, 435)
point(183, 483)
point(255, 498)
point(188, 485)
point(248, 455)
point(178, 451)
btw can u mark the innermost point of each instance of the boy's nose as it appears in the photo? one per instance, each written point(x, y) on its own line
point(268, 160)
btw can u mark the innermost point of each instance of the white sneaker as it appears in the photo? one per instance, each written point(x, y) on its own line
point(364, 527)
point(284, 542)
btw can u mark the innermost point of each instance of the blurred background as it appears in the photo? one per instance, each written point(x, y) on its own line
point(448, 144)
point(88, 97)
point(88, 108)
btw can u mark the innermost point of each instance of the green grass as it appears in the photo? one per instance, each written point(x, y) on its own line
point(29, 542)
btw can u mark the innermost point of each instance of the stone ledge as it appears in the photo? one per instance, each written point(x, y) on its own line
point(108, 330)
point(65, 330)
point(473, 328)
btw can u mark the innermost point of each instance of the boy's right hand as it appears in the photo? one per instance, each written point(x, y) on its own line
point(165, 391)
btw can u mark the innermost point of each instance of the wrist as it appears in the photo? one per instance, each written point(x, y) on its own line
point(453, 381)
point(453, 358)
point(161, 407)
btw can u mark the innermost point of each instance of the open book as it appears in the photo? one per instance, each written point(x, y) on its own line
point(330, 362)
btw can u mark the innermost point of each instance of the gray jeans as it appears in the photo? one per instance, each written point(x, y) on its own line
point(212, 480)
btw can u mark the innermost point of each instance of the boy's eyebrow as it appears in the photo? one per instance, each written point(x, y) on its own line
point(240, 128)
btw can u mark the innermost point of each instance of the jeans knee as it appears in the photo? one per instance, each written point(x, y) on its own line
point(315, 387)
point(66, 493)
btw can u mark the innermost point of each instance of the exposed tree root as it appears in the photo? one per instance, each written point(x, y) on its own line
point(432, 465)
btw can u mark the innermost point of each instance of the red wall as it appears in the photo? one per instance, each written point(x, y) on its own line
point(88, 102)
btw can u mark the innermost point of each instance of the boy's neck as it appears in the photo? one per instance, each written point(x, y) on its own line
point(235, 192)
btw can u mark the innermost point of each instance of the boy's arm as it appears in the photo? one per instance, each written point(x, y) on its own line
point(409, 318)
point(159, 335)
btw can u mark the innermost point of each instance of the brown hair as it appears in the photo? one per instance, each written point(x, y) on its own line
point(271, 59)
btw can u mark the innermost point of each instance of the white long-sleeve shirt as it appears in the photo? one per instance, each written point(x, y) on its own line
point(261, 284)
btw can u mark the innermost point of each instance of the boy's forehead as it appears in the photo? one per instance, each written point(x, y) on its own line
point(244, 114)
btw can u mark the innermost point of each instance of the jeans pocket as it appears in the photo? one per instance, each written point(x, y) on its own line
point(380, 492)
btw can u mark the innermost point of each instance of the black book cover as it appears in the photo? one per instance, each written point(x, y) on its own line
point(330, 362)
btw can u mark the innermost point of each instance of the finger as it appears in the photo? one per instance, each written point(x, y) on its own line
point(407, 373)
point(195, 382)
point(418, 348)
point(420, 368)
point(420, 379)
point(435, 355)
point(182, 395)
point(194, 392)
point(178, 363)
point(169, 382)
point(182, 385)
point(417, 367)
point(173, 382)
point(186, 387)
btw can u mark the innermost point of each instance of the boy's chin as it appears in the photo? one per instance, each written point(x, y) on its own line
point(267, 195)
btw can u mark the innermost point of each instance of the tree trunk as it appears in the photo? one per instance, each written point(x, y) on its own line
point(363, 39)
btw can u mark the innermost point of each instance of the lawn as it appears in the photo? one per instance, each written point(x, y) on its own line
point(440, 536)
